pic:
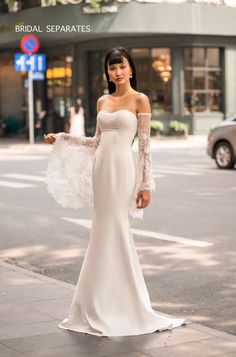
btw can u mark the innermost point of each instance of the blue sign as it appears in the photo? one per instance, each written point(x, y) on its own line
point(34, 63)
point(38, 76)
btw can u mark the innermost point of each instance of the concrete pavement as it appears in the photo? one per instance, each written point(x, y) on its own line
point(31, 305)
point(156, 142)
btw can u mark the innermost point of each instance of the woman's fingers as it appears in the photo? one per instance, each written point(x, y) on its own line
point(50, 138)
point(139, 200)
point(142, 200)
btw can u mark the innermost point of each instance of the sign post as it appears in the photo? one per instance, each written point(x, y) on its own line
point(31, 63)
point(31, 106)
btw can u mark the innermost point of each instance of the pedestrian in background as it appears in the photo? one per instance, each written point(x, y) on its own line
point(77, 118)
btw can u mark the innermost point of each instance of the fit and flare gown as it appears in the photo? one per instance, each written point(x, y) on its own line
point(111, 298)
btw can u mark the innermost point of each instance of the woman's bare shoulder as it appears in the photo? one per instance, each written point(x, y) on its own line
point(101, 100)
point(141, 97)
point(142, 102)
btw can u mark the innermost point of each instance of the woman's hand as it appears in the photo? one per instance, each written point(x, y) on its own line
point(49, 138)
point(143, 199)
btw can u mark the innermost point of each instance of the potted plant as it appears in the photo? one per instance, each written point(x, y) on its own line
point(13, 5)
point(178, 128)
point(156, 127)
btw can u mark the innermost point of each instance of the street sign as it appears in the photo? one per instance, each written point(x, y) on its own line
point(34, 63)
point(29, 44)
point(38, 76)
point(31, 63)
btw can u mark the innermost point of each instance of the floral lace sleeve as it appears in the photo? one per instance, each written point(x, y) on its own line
point(144, 176)
point(69, 172)
point(144, 154)
point(92, 142)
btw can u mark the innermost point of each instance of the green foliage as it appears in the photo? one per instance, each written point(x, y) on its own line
point(94, 4)
point(9, 2)
point(177, 125)
point(157, 125)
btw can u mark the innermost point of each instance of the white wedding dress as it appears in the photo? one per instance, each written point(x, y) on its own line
point(77, 123)
point(111, 298)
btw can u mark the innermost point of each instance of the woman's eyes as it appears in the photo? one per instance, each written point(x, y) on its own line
point(123, 66)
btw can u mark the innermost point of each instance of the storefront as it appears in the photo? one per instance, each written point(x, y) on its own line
point(185, 61)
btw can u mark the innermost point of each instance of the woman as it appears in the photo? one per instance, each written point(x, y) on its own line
point(111, 298)
point(77, 118)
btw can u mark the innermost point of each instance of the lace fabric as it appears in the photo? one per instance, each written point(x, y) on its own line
point(144, 174)
point(69, 173)
point(145, 163)
point(92, 142)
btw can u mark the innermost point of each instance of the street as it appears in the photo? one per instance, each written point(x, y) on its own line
point(186, 241)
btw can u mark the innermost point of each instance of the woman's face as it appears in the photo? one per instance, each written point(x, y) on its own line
point(119, 72)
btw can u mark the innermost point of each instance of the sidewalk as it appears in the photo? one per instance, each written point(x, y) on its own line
point(197, 141)
point(31, 306)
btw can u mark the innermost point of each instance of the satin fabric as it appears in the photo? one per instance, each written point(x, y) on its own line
point(111, 298)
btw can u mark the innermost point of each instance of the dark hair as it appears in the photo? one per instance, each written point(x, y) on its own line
point(76, 103)
point(116, 55)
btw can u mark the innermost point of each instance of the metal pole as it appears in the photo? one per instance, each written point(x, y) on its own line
point(31, 106)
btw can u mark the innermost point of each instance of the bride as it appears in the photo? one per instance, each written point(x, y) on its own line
point(111, 298)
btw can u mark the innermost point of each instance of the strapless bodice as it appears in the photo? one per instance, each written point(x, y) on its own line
point(117, 127)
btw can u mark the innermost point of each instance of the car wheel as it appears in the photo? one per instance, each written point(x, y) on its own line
point(224, 156)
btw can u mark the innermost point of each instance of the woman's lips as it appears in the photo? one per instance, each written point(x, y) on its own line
point(119, 78)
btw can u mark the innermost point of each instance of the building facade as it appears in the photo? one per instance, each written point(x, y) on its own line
point(185, 57)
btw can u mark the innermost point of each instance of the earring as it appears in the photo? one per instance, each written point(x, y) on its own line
point(131, 76)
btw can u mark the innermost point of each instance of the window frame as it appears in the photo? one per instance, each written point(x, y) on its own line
point(206, 70)
point(150, 48)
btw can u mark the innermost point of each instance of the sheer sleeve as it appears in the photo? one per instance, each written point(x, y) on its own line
point(144, 154)
point(92, 142)
point(69, 172)
point(144, 176)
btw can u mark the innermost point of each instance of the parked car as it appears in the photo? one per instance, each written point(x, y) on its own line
point(221, 144)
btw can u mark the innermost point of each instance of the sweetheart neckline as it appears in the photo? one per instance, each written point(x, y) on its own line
point(120, 110)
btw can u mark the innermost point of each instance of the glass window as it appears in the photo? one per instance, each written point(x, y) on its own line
point(198, 57)
point(214, 80)
point(203, 80)
point(154, 74)
point(213, 57)
point(59, 90)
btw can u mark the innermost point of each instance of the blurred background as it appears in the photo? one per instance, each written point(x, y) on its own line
point(184, 51)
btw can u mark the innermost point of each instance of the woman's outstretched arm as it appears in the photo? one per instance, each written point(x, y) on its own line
point(146, 183)
point(77, 139)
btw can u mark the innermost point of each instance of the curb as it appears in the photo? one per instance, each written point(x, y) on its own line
point(197, 327)
point(32, 274)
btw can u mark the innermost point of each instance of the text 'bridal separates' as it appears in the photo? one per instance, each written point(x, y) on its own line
point(111, 298)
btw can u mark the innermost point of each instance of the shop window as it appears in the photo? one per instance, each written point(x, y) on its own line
point(59, 91)
point(203, 80)
point(154, 74)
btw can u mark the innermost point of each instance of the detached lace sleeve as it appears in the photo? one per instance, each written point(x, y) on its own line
point(92, 142)
point(69, 172)
point(144, 176)
point(146, 181)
